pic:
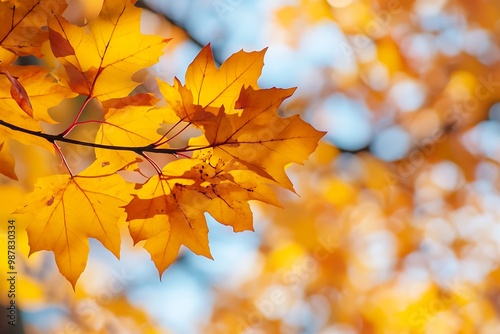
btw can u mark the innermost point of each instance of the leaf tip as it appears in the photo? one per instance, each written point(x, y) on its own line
point(160, 273)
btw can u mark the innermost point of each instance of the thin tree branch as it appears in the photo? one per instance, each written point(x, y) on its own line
point(140, 150)
point(152, 148)
point(60, 138)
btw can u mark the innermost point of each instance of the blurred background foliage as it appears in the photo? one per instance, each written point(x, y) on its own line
point(396, 226)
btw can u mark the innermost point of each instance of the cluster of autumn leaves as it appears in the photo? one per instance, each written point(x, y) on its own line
point(239, 151)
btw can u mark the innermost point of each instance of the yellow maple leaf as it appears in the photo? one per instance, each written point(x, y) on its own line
point(100, 58)
point(212, 87)
point(69, 210)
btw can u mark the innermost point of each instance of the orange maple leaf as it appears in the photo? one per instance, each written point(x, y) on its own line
point(20, 31)
point(168, 211)
point(244, 126)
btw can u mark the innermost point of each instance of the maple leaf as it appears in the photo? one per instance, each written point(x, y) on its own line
point(250, 131)
point(259, 138)
point(161, 212)
point(244, 147)
point(226, 187)
point(69, 210)
point(20, 31)
point(213, 87)
point(19, 94)
point(237, 155)
point(168, 210)
point(100, 58)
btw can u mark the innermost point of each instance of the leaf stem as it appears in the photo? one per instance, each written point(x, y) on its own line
point(75, 121)
point(153, 163)
point(166, 133)
point(63, 159)
point(169, 139)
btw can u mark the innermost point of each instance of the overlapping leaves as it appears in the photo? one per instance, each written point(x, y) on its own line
point(217, 144)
